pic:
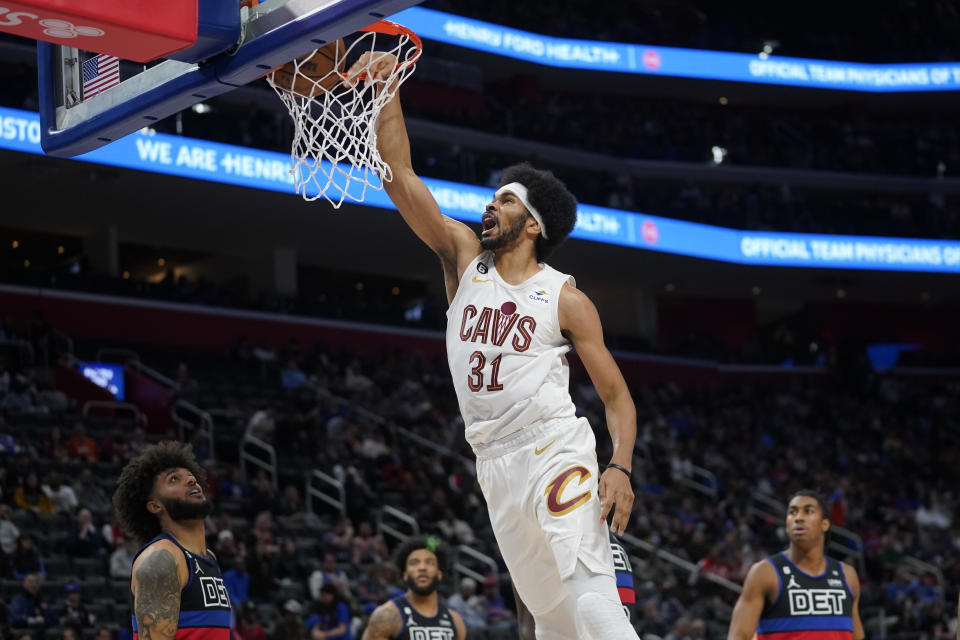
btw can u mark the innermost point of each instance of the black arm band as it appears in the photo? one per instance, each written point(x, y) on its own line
point(624, 469)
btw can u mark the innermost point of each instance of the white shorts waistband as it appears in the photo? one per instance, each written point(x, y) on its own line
point(522, 437)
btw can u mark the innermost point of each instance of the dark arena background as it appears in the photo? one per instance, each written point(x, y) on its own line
point(773, 251)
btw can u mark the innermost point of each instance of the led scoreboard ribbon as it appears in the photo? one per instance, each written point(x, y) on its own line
point(269, 170)
point(677, 62)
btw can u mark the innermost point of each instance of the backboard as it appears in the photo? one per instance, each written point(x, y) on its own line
point(271, 34)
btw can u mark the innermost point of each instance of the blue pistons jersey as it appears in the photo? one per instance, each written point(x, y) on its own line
point(204, 604)
point(808, 607)
point(417, 626)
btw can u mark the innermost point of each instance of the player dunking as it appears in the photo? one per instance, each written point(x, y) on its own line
point(418, 614)
point(177, 589)
point(510, 323)
point(800, 593)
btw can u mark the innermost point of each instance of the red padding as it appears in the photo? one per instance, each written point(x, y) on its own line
point(139, 30)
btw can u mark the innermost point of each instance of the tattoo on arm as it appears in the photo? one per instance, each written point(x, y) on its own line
point(384, 623)
point(157, 604)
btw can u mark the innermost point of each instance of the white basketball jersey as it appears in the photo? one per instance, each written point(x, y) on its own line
point(506, 353)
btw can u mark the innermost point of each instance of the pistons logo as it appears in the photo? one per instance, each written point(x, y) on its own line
point(555, 503)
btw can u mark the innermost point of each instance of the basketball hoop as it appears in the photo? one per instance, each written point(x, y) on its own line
point(334, 151)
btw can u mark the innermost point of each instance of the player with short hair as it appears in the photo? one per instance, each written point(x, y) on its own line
point(510, 323)
point(176, 589)
point(800, 592)
point(418, 614)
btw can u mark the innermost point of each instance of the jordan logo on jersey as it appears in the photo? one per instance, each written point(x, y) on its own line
point(195, 561)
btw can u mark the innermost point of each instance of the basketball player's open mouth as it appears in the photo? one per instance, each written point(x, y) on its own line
point(488, 221)
point(196, 492)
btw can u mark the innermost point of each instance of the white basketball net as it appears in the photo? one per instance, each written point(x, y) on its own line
point(334, 149)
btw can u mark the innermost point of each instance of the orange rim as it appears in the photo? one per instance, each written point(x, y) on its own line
point(389, 28)
point(385, 27)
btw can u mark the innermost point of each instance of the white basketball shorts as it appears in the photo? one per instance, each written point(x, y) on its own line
point(541, 492)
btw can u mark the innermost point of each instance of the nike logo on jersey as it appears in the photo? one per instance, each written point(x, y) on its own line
point(537, 451)
point(480, 280)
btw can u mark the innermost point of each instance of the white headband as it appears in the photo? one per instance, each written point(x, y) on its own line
point(520, 191)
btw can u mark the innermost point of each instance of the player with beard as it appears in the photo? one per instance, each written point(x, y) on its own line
point(176, 590)
point(417, 614)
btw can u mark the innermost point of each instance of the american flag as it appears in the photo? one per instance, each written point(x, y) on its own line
point(99, 74)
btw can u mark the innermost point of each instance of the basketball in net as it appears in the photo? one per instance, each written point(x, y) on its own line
point(334, 151)
point(308, 75)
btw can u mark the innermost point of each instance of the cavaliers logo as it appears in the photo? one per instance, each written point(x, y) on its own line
point(557, 485)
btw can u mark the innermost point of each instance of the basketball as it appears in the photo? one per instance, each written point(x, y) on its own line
point(307, 74)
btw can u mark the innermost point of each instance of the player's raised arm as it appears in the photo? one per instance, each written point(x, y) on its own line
point(580, 322)
point(760, 586)
point(385, 623)
point(453, 241)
